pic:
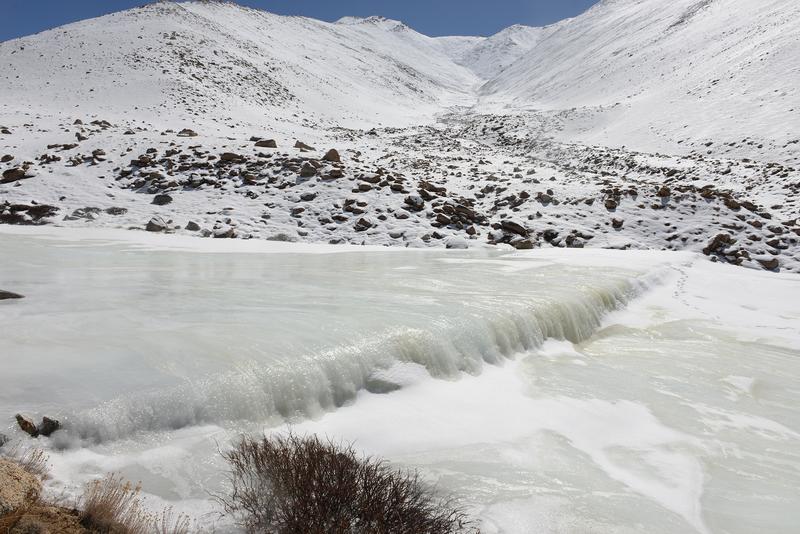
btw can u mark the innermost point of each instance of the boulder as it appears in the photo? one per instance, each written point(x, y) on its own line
point(27, 425)
point(514, 227)
point(611, 204)
point(303, 146)
point(7, 295)
point(770, 264)
point(6, 158)
point(156, 224)
point(186, 132)
point(192, 226)
point(363, 225)
point(307, 170)
point(332, 155)
point(13, 175)
point(663, 192)
point(617, 223)
point(49, 426)
point(161, 200)
point(266, 143)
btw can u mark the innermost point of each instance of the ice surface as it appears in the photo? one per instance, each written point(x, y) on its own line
point(676, 413)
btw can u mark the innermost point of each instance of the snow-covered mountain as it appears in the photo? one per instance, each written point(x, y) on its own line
point(718, 70)
point(641, 123)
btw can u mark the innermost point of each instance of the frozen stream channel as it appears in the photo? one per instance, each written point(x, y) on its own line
point(554, 391)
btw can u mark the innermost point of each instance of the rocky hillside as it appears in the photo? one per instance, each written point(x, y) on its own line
point(639, 124)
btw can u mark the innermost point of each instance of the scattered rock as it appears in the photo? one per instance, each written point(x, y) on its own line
point(307, 170)
point(7, 295)
point(303, 146)
point(332, 155)
point(156, 224)
point(611, 204)
point(116, 211)
point(186, 132)
point(617, 223)
point(13, 175)
point(161, 200)
point(363, 225)
point(192, 226)
point(717, 244)
point(267, 143)
point(771, 264)
point(6, 158)
point(514, 227)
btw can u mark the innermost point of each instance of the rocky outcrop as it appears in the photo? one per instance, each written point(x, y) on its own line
point(17, 487)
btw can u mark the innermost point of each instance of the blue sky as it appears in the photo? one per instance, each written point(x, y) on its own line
point(432, 17)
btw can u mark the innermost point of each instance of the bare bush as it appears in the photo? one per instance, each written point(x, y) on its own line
point(292, 485)
point(113, 505)
point(170, 523)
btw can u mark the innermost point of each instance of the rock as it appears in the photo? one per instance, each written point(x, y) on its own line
point(186, 132)
point(663, 192)
point(267, 143)
point(770, 264)
point(456, 242)
point(116, 211)
point(617, 223)
point(522, 244)
point(550, 235)
point(231, 157)
point(49, 426)
point(156, 224)
point(335, 173)
point(161, 200)
point(415, 202)
point(7, 295)
point(6, 158)
point(363, 225)
point(303, 146)
point(192, 226)
point(27, 425)
point(308, 197)
point(332, 155)
point(443, 219)
point(13, 175)
point(514, 227)
point(307, 170)
point(719, 242)
point(226, 232)
point(17, 487)
point(611, 204)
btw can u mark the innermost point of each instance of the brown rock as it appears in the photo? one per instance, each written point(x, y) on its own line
point(303, 146)
point(514, 227)
point(12, 175)
point(770, 264)
point(267, 143)
point(186, 132)
point(332, 155)
point(27, 425)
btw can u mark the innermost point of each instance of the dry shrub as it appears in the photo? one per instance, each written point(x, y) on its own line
point(34, 461)
point(169, 523)
point(113, 505)
point(301, 485)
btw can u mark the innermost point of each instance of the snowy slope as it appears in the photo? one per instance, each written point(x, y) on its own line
point(639, 124)
point(720, 70)
point(217, 60)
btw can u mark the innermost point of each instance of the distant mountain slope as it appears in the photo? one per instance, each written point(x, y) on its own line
point(223, 60)
point(726, 69)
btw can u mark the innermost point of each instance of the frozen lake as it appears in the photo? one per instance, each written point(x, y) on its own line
point(553, 391)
